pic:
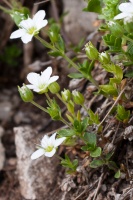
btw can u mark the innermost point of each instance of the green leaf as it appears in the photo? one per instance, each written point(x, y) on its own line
point(60, 44)
point(109, 155)
point(114, 69)
point(76, 75)
point(20, 14)
point(72, 165)
point(117, 174)
point(110, 9)
point(75, 163)
point(55, 53)
point(112, 165)
point(96, 152)
point(122, 114)
point(85, 148)
point(77, 126)
point(93, 6)
point(66, 133)
point(54, 32)
point(113, 81)
point(84, 123)
point(109, 89)
point(80, 126)
point(86, 68)
point(90, 138)
point(113, 42)
point(116, 29)
point(97, 163)
point(94, 118)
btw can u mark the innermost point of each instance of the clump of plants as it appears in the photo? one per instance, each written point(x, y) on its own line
point(117, 57)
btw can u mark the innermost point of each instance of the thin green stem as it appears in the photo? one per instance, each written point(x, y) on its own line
point(65, 122)
point(59, 97)
point(92, 80)
point(70, 61)
point(85, 108)
point(38, 106)
point(5, 10)
point(91, 66)
point(48, 97)
point(45, 43)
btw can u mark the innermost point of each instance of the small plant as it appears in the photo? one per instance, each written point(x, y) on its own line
point(117, 28)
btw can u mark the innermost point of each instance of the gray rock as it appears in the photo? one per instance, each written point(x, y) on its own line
point(77, 24)
point(36, 177)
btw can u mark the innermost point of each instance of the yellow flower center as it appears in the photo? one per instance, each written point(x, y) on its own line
point(32, 30)
point(49, 148)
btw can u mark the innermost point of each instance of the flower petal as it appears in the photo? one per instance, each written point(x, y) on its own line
point(39, 16)
point(45, 75)
point(41, 24)
point(27, 24)
point(31, 86)
point(37, 154)
point(121, 16)
point(52, 79)
point(26, 38)
point(44, 141)
point(59, 141)
point(52, 140)
point(17, 34)
point(33, 78)
point(51, 153)
point(131, 1)
point(124, 7)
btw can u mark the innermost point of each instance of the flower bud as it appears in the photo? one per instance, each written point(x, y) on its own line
point(91, 51)
point(66, 95)
point(70, 107)
point(54, 87)
point(104, 58)
point(25, 93)
point(78, 98)
point(54, 110)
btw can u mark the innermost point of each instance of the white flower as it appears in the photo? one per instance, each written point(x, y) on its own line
point(127, 12)
point(30, 27)
point(40, 83)
point(48, 146)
